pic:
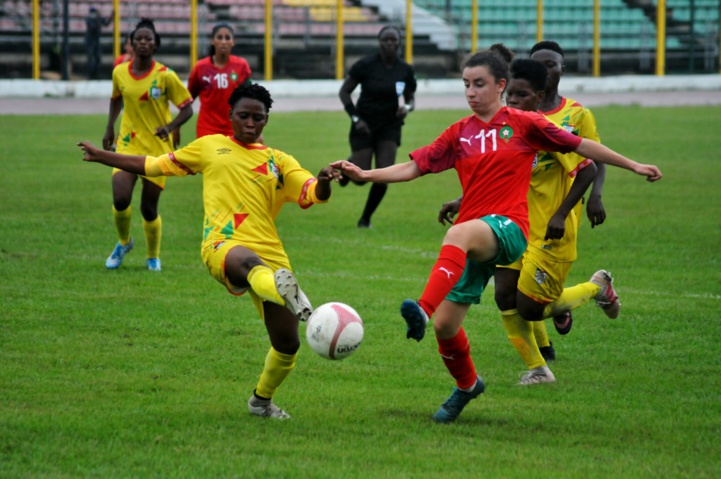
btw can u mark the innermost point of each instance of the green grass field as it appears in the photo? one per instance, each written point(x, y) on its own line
point(132, 374)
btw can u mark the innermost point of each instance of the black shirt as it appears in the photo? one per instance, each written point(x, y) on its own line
point(379, 100)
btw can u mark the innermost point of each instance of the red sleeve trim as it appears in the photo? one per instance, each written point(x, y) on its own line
point(177, 163)
point(185, 103)
point(580, 166)
point(304, 194)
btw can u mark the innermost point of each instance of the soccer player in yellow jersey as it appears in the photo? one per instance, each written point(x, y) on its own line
point(572, 116)
point(145, 89)
point(526, 288)
point(245, 184)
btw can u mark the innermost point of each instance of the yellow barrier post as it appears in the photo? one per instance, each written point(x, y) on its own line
point(268, 74)
point(193, 33)
point(409, 31)
point(661, 37)
point(339, 66)
point(116, 28)
point(36, 39)
point(474, 26)
point(597, 38)
point(539, 21)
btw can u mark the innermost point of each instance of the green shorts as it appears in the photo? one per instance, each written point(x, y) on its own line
point(511, 245)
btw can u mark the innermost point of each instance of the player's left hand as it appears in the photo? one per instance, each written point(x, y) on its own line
point(162, 132)
point(556, 227)
point(651, 172)
point(349, 169)
point(595, 210)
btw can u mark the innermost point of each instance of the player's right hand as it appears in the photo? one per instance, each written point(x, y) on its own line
point(448, 211)
point(108, 139)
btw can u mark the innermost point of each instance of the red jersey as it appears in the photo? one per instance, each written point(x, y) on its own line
point(214, 86)
point(494, 160)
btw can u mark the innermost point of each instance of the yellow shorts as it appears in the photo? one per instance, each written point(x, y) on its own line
point(157, 180)
point(541, 279)
point(214, 254)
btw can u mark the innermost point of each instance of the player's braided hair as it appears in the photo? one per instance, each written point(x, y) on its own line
point(253, 91)
point(530, 70)
point(547, 45)
point(150, 25)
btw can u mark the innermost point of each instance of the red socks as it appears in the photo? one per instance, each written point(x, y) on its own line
point(444, 275)
point(456, 354)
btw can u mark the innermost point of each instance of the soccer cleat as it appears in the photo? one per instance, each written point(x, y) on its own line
point(364, 224)
point(153, 264)
point(451, 409)
point(265, 408)
point(116, 257)
point(416, 319)
point(563, 323)
point(537, 375)
point(548, 353)
point(344, 180)
point(606, 298)
point(295, 299)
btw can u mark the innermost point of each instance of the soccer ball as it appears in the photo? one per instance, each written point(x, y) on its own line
point(334, 330)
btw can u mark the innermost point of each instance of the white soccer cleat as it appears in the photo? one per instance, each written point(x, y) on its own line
point(295, 299)
point(265, 408)
point(537, 375)
point(606, 299)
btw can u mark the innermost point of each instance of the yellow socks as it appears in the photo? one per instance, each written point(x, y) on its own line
point(520, 333)
point(571, 298)
point(262, 282)
point(153, 232)
point(540, 333)
point(122, 224)
point(277, 367)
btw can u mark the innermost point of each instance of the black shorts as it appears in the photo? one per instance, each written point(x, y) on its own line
point(362, 141)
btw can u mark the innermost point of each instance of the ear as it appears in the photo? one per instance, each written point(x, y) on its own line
point(502, 84)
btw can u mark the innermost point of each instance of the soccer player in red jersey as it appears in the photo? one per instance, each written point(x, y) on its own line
point(213, 79)
point(493, 152)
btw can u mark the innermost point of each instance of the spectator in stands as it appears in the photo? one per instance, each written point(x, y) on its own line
point(213, 79)
point(145, 88)
point(128, 55)
point(377, 118)
point(94, 24)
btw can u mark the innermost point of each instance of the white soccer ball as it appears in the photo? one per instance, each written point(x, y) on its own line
point(334, 330)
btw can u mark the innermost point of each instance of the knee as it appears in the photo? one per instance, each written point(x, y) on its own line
point(149, 212)
point(287, 345)
point(531, 311)
point(505, 300)
point(444, 330)
point(121, 202)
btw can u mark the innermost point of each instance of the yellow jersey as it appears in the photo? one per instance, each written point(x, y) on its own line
point(146, 106)
point(244, 187)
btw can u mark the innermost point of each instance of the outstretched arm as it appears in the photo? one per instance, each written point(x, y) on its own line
point(130, 163)
point(392, 174)
point(603, 154)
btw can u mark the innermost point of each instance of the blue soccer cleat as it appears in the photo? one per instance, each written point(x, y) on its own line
point(153, 264)
point(416, 319)
point(116, 257)
point(451, 409)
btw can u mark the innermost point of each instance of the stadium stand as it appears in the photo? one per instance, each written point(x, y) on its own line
point(304, 32)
